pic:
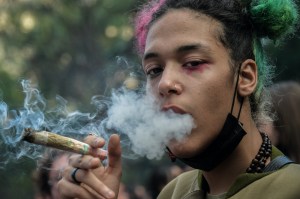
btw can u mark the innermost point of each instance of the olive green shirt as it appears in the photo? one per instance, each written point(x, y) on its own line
point(280, 184)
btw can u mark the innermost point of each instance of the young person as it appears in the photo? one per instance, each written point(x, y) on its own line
point(205, 58)
point(49, 172)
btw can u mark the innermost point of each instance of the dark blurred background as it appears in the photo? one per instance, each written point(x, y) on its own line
point(78, 49)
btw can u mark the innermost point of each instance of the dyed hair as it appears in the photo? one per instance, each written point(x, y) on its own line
point(245, 23)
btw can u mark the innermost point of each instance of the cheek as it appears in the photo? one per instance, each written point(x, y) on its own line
point(152, 88)
point(214, 101)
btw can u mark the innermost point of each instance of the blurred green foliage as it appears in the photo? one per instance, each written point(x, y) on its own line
point(70, 48)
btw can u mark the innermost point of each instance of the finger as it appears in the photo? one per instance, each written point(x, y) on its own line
point(94, 141)
point(90, 190)
point(114, 154)
point(84, 161)
point(69, 190)
point(99, 153)
point(90, 180)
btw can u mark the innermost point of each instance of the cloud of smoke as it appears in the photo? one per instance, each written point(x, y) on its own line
point(144, 129)
point(148, 129)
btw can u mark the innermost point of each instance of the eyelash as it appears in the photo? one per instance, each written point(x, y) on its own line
point(154, 71)
point(157, 70)
point(194, 64)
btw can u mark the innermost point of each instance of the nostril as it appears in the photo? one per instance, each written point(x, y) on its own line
point(176, 89)
point(172, 91)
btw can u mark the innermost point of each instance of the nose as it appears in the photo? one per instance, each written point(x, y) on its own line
point(169, 84)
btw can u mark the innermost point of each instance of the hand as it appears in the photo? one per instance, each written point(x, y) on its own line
point(96, 181)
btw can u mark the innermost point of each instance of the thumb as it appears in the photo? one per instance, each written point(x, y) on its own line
point(114, 153)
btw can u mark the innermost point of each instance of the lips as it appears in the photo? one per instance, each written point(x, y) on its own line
point(175, 109)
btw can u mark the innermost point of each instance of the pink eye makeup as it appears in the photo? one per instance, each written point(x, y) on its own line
point(195, 66)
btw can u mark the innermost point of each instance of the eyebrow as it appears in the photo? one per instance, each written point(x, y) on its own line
point(150, 55)
point(181, 49)
point(191, 47)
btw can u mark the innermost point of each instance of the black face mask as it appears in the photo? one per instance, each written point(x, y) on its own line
point(221, 147)
point(227, 140)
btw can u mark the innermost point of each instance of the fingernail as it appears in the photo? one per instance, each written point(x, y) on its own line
point(97, 141)
point(110, 194)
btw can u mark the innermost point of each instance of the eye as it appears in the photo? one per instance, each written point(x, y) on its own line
point(154, 72)
point(194, 64)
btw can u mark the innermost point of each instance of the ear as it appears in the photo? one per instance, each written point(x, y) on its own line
point(248, 78)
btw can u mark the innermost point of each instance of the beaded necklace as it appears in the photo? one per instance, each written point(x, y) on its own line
point(259, 162)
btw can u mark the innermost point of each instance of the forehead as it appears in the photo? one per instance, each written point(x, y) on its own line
point(182, 26)
point(60, 162)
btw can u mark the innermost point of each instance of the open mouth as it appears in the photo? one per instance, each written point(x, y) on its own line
point(175, 109)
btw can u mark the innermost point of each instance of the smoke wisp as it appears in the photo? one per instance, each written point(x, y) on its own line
point(136, 117)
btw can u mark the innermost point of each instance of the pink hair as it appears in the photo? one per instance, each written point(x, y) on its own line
point(142, 20)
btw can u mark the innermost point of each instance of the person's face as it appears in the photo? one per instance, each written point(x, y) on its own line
point(188, 71)
point(55, 174)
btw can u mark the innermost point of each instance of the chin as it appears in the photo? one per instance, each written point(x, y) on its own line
point(181, 149)
point(186, 148)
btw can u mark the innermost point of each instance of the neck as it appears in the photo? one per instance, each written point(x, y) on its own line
point(224, 175)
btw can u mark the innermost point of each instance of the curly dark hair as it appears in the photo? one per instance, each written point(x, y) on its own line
point(244, 24)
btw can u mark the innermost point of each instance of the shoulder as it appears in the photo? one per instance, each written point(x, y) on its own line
point(286, 174)
point(289, 173)
point(182, 186)
point(283, 183)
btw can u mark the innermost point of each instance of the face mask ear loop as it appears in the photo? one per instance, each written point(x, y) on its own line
point(234, 95)
point(235, 89)
point(242, 101)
